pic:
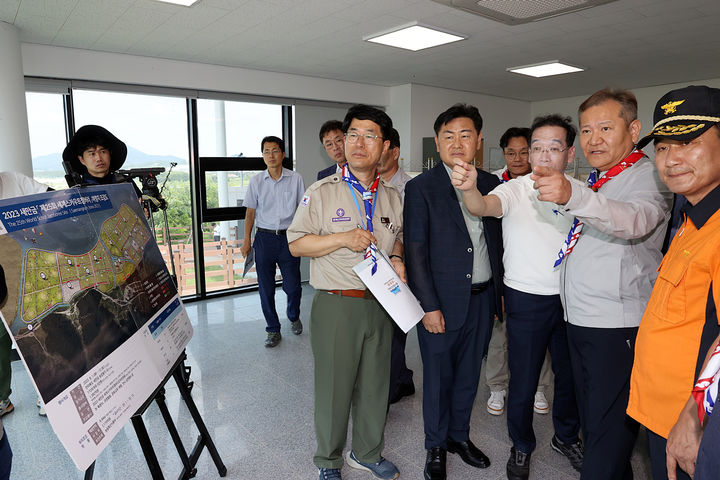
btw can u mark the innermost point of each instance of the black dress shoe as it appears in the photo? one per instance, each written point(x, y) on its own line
point(435, 464)
point(469, 453)
point(402, 390)
point(518, 465)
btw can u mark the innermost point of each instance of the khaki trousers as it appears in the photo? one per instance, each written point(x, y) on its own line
point(350, 340)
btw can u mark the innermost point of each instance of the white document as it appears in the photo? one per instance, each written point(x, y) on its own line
point(392, 293)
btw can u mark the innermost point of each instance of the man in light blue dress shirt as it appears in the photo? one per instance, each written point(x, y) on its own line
point(271, 200)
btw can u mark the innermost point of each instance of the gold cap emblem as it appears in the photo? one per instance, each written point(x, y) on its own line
point(671, 107)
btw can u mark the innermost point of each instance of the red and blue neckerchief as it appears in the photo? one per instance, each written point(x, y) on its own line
point(369, 197)
point(706, 389)
point(505, 176)
point(595, 183)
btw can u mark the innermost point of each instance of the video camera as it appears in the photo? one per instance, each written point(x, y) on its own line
point(148, 179)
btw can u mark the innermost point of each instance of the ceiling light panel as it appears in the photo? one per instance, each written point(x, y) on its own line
point(184, 3)
point(414, 37)
point(545, 69)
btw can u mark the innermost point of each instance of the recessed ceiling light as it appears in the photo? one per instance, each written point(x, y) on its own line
point(184, 3)
point(545, 69)
point(414, 37)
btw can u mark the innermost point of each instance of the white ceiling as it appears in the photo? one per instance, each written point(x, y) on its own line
point(627, 43)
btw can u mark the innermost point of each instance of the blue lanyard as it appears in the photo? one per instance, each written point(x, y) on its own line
point(372, 207)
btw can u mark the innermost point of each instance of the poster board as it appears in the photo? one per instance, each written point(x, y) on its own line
point(91, 308)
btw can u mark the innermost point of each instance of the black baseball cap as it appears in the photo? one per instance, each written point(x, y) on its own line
point(684, 114)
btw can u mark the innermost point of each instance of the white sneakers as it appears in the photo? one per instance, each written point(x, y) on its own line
point(496, 403)
point(541, 404)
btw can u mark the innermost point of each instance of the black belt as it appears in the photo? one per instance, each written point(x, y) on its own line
point(477, 288)
point(274, 232)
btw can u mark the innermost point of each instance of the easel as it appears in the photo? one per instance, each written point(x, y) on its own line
point(180, 373)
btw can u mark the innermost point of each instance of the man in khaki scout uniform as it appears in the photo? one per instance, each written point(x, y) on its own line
point(350, 333)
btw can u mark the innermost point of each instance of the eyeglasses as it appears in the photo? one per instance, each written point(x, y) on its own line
point(368, 138)
point(337, 141)
point(553, 151)
point(511, 154)
point(274, 151)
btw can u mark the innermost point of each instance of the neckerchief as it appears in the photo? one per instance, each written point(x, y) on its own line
point(706, 388)
point(505, 176)
point(369, 203)
point(595, 183)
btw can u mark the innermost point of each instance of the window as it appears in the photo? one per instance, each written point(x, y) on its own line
point(229, 137)
point(235, 129)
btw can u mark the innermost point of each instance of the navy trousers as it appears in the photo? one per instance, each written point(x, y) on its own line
point(535, 324)
point(5, 457)
point(451, 372)
point(272, 250)
point(602, 360)
point(658, 458)
point(708, 461)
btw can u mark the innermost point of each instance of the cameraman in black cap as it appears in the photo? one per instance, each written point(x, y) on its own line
point(96, 155)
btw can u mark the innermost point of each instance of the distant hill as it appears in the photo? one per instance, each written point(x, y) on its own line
point(135, 159)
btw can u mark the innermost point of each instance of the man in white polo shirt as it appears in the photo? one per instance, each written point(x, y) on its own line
point(531, 232)
point(515, 144)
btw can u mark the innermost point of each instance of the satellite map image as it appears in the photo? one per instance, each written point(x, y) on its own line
point(86, 282)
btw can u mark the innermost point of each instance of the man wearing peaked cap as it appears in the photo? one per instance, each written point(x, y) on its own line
point(684, 114)
point(679, 331)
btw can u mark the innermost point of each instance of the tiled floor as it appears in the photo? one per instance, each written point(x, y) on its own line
point(258, 406)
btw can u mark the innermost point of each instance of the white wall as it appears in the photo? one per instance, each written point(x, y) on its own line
point(61, 62)
point(309, 152)
point(428, 102)
point(400, 110)
point(14, 136)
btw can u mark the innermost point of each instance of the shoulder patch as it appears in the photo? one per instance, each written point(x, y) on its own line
point(305, 200)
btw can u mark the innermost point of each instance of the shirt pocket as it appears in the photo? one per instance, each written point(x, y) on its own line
point(339, 221)
point(385, 235)
point(670, 289)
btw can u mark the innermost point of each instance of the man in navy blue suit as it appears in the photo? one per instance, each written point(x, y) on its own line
point(333, 139)
point(454, 267)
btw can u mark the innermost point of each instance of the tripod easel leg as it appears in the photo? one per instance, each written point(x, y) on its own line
point(147, 448)
point(205, 438)
point(189, 471)
point(90, 471)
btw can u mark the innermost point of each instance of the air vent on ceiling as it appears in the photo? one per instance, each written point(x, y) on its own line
point(516, 12)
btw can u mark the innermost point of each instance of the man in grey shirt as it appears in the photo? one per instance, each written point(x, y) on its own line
point(607, 276)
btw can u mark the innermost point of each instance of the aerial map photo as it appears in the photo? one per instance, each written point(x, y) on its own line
point(84, 274)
